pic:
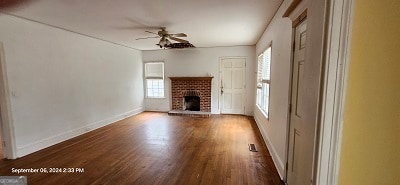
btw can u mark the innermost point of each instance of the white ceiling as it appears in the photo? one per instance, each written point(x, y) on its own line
point(208, 23)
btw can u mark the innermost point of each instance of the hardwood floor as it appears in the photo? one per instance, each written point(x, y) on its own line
point(154, 148)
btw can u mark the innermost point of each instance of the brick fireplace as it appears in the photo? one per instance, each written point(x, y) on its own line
point(197, 89)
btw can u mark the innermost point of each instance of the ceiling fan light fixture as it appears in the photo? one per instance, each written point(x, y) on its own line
point(165, 39)
point(180, 45)
point(164, 42)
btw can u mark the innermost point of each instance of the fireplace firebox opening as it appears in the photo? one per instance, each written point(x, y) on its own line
point(192, 103)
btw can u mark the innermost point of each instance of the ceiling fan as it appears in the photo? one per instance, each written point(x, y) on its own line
point(165, 36)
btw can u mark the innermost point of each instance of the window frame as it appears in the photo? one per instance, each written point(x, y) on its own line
point(147, 78)
point(263, 82)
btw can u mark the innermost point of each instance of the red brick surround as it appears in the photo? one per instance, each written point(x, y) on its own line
point(200, 86)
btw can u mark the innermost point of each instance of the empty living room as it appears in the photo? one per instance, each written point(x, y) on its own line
point(165, 92)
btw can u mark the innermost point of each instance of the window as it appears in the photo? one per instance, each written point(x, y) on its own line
point(264, 80)
point(154, 77)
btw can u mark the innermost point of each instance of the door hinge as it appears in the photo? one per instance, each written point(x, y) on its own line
point(4, 144)
point(294, 46)
point(290, 108)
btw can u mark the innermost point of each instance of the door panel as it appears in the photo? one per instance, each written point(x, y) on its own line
point(237, 79)
point(299, 93)
point(237, 104)
point(295, 150)
point(232, 85)
point(228, 79)
point(227, 101)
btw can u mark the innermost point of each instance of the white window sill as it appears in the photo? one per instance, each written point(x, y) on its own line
point(155, 98)
point(262, 111)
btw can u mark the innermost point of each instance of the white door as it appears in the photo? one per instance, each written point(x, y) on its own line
point(1, 139)
point(3, 134)
point(297, 149)
point(232, 85)
point(7, 140)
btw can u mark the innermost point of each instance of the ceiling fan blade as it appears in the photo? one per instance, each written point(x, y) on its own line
point(151, 32)
point(178, 40)
point(126, 27)
point(178, 35)
point(133, 27)
point(147, 37)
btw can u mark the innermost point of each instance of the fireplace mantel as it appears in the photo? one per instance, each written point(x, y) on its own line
point(192, 78)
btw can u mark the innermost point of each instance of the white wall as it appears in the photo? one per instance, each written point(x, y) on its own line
point(201, 62)
point(274, 130)
point(63, 84)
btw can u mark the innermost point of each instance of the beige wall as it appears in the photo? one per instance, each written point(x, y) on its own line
point(371, 143)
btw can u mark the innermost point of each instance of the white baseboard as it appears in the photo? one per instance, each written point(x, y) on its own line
point(249, 113)
point(279, 164)
point(44, 143)
point(158, 109)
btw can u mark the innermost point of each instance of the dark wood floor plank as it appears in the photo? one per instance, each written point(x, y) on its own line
point(154, 148)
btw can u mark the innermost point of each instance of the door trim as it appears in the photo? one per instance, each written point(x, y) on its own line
point(338, 35)
point(8, 134)
point(220, 81)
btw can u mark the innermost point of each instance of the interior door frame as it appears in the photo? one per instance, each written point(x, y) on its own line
point(337, 57)
point(220, 81)
point(8, 134)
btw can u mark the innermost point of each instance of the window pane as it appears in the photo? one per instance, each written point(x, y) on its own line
point(259, 97)
point(260, 68)
point(267, 64)
point(150, 92)
point(158, 94)
point(265, 97)
point(263, 80)
point(160, 83)
point(155, 88)
point(155, 85)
